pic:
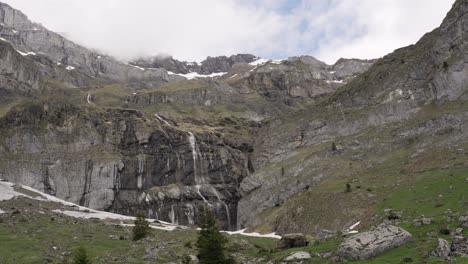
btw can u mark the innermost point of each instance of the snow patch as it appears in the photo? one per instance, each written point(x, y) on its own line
point(335, 81)
point(193, 75)
point(259, 62)
point(14, 31)
point(161, 119)
point(1, 211)
point(98, 57)
point(233, 76)
point(70, 68)
point(332, 72)
point(88, 98)
point(253, 234)
point(7, 192)
point(351, 230)
point(138, 67)
point(3, 39)
point(35, 29)
point(26, 53)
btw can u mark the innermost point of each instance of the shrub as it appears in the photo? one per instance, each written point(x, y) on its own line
point(393, 216)
point(81, 256)
point(348, 188)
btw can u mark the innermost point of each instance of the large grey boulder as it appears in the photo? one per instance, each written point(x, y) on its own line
point(442, 250)
point(293, 240)
point(373, 243)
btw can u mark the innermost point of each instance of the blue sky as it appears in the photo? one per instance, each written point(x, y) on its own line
point(192, 30)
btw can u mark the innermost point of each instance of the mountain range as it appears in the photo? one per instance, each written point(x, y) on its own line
point(285, 146)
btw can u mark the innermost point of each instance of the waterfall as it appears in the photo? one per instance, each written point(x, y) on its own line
point(172, 216)
point(193, 145)
point(201, 195)
point(141, 169)
point(225, 205)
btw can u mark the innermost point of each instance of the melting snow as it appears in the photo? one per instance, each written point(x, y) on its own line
point(336, 81)
point(26, 53)
point(162, 119)
point(351, 230)
point(138, 67)
point(1, 211)
point(332, 72)
point(7, 192)
point(253, 234)
point(3, 39)
point(69, 68)
point(14, 31)
point(233, 76)
point(34, 29)
point(259, 62)
point(88, 98)
point(192, 75)
point(98, 57)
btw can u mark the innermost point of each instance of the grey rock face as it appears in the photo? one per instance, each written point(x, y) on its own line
point(19, 75)
point(82, 63)
point(208, 66)
point(373, 243)
point(116, 162)
point(442, 250)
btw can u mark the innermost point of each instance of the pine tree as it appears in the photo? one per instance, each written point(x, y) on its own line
point(141, 228)
point(81, 256)
point(211, 242)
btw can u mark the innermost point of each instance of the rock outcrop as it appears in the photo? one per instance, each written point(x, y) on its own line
point(122, 161)
point(208, 66)
point(373, 243)
point(19, 75)
point(67, 61)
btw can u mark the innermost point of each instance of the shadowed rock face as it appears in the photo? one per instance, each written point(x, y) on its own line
point(116, 162)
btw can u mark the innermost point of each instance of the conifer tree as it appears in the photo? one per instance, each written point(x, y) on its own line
point(211, 242)
point(141, 228)
point(81, 256)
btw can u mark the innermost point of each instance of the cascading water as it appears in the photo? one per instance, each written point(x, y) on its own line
point(141, 169)
point(200, 180)
point(213, 189)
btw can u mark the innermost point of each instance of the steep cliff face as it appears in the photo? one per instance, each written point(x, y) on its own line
point(208, 66)
point(122, 161)
point(406, 114)
point(70, 62)
point(19, 75)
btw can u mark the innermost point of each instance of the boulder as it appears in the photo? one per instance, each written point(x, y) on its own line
point(293, 240)
point(300, 255)
point(442, 250)
point(459, 247)
point(373, 243)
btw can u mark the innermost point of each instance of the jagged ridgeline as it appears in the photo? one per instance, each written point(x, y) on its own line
point(291, 145)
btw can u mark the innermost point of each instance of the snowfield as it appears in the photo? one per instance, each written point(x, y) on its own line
point(8, 192)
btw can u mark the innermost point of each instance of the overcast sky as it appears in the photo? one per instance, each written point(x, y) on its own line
point(193, 29)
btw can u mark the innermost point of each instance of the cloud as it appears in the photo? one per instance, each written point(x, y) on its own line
point(192, 30)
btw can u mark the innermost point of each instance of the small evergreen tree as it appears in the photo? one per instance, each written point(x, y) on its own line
point(141, 228)
point(211, 243)
point(81, 256)
point(348, 187)
point(333, 146)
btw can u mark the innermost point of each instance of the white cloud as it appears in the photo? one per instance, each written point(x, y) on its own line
point(192, 30)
